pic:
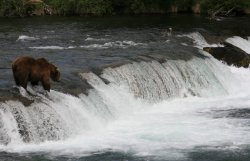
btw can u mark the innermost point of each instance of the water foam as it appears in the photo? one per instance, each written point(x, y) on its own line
point(115, 44)
point(95, 39)
point(118, 117)
point(51, 47)
point(199, 40)
point(26, 38)
point(161, 130)
point(240, 43)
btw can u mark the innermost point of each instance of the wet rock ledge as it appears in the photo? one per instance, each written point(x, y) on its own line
point(230, 54)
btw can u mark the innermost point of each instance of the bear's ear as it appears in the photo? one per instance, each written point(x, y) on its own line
point(52, 67)
point(57, 69)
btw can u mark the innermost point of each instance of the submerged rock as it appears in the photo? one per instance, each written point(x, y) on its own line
point(230, 54)
point(13, 94)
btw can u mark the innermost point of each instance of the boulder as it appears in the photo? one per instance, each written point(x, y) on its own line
point(230, 54)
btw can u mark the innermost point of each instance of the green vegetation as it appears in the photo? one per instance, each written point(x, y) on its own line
point(223, 7)
point(17, 7)
point(104, 7)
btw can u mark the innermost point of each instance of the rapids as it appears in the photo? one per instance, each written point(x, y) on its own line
point(125, 96)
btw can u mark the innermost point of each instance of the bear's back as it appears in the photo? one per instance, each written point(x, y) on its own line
point(41, 63)
point(23, 62)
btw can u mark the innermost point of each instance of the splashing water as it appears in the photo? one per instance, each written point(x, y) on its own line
point(147, 109)
point(177, 107)
point(199, 40)
point(240, 43)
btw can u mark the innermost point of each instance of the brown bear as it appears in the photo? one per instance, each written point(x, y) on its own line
point(27, 69)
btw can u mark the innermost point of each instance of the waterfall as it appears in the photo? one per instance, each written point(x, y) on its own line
point(239, 42)
point(60, 116)
point(174, 78)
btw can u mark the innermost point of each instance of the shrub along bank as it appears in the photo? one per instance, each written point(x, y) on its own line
point(213, 8)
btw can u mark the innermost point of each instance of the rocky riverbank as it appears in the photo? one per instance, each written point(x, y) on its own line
point(230, 54)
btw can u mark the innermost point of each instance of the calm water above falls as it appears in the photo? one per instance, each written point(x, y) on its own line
point(129, 90)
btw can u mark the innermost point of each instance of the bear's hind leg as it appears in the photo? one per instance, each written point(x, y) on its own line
point(16, 80)
point(23, 81)
point(21, 77)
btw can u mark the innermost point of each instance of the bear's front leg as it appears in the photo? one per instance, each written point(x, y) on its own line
point(46, 84)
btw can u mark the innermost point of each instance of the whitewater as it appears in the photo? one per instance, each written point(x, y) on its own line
point(129, 90)
point(148, 109)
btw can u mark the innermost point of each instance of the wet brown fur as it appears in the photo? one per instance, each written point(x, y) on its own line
point(27, 69)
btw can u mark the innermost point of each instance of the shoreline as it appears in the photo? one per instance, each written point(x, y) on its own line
point(30, 8)
point(129, 14)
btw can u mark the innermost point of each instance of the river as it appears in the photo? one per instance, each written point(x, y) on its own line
point(130, 90)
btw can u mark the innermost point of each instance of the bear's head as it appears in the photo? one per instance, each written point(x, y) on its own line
point(55, 74)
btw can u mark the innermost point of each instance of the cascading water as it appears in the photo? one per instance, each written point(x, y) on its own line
point(163, 109)
point(133, 91)
point(240, 43)
point(174, 78)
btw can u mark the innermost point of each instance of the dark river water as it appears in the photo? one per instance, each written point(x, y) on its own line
point(130, 90)
point(76, 44)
